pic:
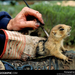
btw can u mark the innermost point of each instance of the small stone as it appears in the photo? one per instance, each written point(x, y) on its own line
point(2, 66)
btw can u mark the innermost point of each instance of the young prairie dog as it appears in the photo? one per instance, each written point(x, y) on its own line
point(53, 46)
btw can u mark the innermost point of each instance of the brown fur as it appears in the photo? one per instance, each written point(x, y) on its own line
point(54, 44)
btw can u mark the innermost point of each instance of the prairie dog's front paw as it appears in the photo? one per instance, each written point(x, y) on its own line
point(64, 51)
point(67, 59)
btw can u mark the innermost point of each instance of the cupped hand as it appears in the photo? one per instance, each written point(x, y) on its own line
point(20, 21)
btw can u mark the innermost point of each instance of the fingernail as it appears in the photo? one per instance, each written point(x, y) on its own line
point(35, 28)
point(37, 23)
point(42, 21)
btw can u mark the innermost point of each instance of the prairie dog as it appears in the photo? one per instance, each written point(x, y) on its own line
point(54, 44)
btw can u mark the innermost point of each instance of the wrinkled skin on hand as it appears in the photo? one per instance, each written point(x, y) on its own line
point(20, 21)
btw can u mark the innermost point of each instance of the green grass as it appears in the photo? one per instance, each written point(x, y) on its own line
point(12, 10)
point(52, 14)
point(55, 14)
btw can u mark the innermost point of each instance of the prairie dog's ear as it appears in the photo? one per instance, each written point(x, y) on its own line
point(54, 32)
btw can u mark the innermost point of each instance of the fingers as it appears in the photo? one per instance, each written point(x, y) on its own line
point(21, 22)
point(30, 24)
point(29, 11)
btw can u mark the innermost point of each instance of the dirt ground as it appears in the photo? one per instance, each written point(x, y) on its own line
point(70, 47)
point(66, 3)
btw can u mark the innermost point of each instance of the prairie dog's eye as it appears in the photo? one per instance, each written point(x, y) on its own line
point(61, 29)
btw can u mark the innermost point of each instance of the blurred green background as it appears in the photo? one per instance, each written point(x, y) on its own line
point(53, 12)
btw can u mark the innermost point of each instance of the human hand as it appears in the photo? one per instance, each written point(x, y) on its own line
point(20, 21)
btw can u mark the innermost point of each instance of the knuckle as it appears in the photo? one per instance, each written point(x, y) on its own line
point(37, 11)
point(25, 8)
point(40, 15)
